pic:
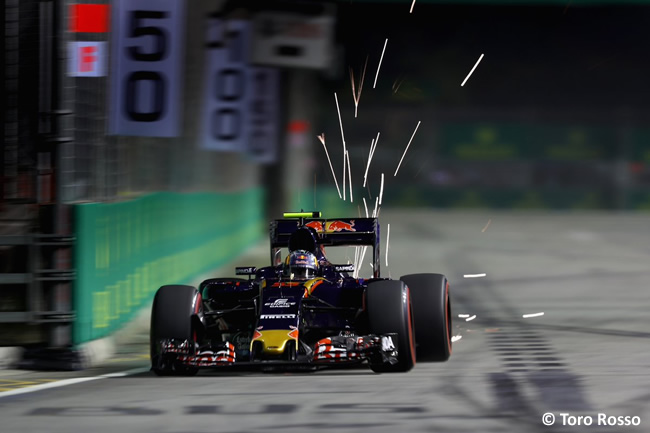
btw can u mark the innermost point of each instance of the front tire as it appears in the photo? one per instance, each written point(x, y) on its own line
point(174, 306)
point(432, 316)
point(388, 303)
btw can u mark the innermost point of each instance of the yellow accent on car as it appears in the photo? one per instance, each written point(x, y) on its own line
point(314, 214)
point(312, 284)
point(274, 340)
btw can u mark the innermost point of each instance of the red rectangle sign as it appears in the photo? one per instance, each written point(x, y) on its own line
point(89, 18)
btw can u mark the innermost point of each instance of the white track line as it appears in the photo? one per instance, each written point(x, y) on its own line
point(72, 381)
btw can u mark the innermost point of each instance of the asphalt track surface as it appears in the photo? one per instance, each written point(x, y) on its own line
point(589, 354)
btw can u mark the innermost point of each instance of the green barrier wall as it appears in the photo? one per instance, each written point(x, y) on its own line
point(126, 251)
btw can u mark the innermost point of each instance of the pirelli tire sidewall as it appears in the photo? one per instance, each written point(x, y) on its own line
point(174, 307)
point(388, 305)
point(432, 316)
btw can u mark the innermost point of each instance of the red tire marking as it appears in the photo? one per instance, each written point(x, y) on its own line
point(448, 329)
point(410, 330)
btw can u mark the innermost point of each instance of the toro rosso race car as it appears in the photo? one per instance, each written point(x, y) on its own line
point(303, 311)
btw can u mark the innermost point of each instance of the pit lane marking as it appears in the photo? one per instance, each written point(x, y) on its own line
point(138, 357)
point(10, 384)
point(49, 383)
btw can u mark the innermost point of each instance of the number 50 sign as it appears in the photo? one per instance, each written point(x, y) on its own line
point(146, 73)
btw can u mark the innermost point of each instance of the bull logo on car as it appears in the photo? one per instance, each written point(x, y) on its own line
point(339, 226)
point(319, 226)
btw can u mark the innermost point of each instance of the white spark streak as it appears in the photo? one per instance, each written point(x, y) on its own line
point(526, 316)
point(365, 174)
point(365, 206)
point(379, 65)
point(407, 148)
point(347, 157)
point(344, 172)
point(462, 316)
point(469, 319)
point(363, 254)
point(486, 226)
point(381, 190)
point(357, 95)
point(387, 240)
point(474, 275)
point(343, 139)
point(356, 260)
point(470, 72)
point(455, 338)
point(375, 146)
point(322, 140)
point(374, 213)
point(397, 84)
point(371, 153)
point(354, 93)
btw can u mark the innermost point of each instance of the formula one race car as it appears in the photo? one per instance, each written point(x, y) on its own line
point(304, 312)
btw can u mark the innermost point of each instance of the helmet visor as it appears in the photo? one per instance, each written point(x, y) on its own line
point(301, 273)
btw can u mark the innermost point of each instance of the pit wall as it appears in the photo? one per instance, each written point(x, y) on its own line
point(125, 251)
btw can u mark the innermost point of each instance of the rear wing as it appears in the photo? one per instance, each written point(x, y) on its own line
point(331, 232)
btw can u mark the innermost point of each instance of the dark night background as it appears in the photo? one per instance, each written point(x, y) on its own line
point(535, 56)
point(554, 116)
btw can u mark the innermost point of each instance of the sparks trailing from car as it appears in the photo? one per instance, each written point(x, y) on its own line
point(304, 311)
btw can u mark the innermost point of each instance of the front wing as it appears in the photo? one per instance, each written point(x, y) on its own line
point(376, 349)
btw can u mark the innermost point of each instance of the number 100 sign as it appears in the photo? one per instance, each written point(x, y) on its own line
point(146, 67)
point(240, 111)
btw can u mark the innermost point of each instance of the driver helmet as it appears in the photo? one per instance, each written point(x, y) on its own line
point(300, 265)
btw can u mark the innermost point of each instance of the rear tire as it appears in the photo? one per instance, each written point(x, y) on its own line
point(171, 317)
point(388, 303)
point(432, 316)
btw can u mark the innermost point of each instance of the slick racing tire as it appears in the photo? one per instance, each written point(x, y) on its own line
point(432, 316)
point(174, 307)
point(388, 304)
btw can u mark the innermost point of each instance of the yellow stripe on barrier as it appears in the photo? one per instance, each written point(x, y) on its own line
point(130, 295)
point(101, 311)
point(114, 301)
